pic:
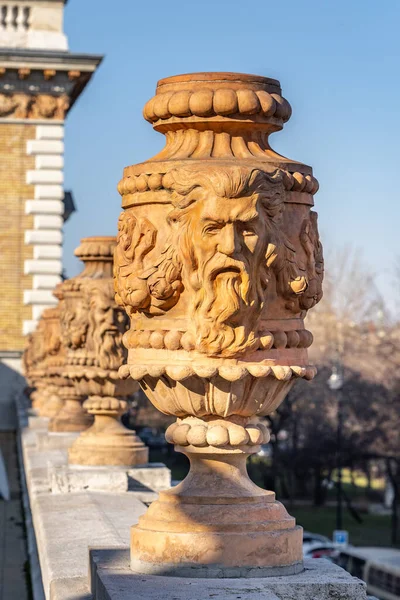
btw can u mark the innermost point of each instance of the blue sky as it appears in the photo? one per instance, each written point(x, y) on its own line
point(338, 64)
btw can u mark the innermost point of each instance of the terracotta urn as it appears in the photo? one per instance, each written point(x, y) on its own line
point(27, 364)
point(32, 365)
point(93, 326)
point(53, 363)
point(217, 262)
point(42, 358)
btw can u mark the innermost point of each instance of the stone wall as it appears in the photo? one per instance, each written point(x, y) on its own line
point(14, 192)
point(31, 205)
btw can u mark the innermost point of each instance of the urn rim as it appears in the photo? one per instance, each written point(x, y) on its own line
point(228, 77)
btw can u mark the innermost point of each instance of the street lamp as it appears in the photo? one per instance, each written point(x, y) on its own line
point(335, 383)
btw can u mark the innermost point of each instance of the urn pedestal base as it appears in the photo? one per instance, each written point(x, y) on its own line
point(107, 441)
point(216, 520)
point(71, 417)
point(39, 398)
point(52, 406)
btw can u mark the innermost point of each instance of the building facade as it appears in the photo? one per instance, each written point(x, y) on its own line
point(40, 80)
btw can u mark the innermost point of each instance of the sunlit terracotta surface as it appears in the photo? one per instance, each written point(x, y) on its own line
point(217, 262)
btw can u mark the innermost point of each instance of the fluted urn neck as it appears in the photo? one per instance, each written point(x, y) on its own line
point(217, 118)
point(97, 255)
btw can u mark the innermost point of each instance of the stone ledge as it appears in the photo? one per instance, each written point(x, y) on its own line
point(35, 571)
point(37, 423)
point(112, 579)
point(63, 526)
point(55, 440)
point(70, 589)
point(149, 478)
point(67, 524)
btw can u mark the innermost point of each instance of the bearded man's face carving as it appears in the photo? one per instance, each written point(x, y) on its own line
point(74, 322)
point(223, 233)
point(108, 323)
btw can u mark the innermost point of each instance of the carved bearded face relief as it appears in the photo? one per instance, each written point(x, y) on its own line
point(74, 322)
point(107, 324)
point(224, 229)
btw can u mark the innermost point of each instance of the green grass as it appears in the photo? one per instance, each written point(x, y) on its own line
point(373, 531)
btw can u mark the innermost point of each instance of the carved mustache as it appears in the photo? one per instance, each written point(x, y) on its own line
point(223, 264)
point(109, 329)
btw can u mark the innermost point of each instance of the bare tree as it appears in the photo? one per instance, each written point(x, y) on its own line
point(352, 325)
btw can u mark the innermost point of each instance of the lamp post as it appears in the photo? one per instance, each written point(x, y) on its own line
point(335, 383)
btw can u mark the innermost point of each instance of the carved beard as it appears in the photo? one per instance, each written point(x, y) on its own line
point(227, 306)
point(110, 351)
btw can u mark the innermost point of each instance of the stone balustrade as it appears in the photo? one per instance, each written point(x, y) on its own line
point(216, 264)
point(32, 24)
point(14, 17)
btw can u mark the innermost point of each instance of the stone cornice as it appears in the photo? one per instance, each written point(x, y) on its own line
point(42, 84)
point(55, 58)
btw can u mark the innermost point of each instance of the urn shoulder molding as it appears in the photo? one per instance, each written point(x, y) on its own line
point(132, 187)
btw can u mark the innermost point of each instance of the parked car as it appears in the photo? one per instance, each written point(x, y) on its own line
point(318, 546)
point(378, 567)
point(312, 538)
point(322, 550)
